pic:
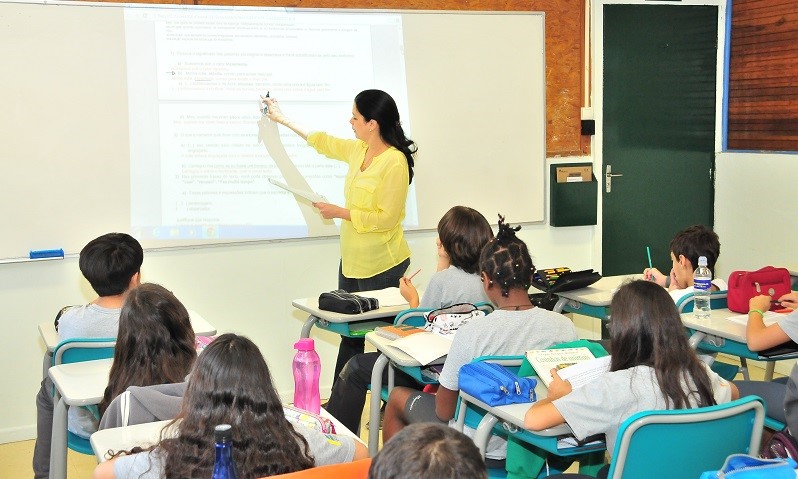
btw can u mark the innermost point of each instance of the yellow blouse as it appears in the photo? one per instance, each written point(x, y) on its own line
point(373, 241)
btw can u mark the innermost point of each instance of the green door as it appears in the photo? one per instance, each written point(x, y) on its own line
point(660, 70)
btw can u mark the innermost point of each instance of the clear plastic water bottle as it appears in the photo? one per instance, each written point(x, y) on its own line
point(307, 370)
point(224, 467)
point(702, 286)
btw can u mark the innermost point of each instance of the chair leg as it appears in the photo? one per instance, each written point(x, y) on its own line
point(770, 367)
point(744, 369)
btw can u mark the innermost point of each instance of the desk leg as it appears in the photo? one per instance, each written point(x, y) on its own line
point(58, 445)
point(374, 413)
point(307, 326)
point(770, 366)
point(482, 435)
point(558, 307)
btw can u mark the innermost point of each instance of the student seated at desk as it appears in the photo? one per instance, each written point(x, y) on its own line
point(781, 396)
point(462, 233)
point(513, 328)
point(653, 367)
point(156, 345)
point(686, 247)
point(231, 384)
point(428, 451)
point(111, 263)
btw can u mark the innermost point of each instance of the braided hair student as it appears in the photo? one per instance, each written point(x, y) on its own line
point(515, 326)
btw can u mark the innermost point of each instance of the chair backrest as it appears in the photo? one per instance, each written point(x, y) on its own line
point(83, 349)
point(347, 470)
point(717, 300)
point(685, 442)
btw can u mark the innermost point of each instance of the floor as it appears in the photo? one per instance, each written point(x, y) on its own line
point(15, 458)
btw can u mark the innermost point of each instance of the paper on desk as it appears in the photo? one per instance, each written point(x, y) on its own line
point(771, 317)
point(311, 196)
point(423, 347)
point(386, 297)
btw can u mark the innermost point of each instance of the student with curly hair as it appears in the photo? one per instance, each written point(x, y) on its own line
point(231, 384)
point(516, 326)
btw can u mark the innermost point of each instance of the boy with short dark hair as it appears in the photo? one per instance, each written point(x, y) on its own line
point(111, 263)
point(686, 247)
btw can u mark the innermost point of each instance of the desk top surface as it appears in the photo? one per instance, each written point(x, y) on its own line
point(514, 413)
point(599, 293)
point(148, 434)
point(717, 324)
point(311, 306)
point(397, 356)
point(50, 335)
point(82, 383)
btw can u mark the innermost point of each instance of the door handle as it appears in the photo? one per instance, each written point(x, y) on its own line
point(608, 176)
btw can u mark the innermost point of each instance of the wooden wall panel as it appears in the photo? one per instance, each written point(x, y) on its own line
point(564, 52)
point(763, 96)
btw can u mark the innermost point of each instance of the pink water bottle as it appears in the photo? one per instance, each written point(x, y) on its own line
point(307, 370)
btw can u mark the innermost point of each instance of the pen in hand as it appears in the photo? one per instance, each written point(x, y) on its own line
point(414, 274)
point(650, 265)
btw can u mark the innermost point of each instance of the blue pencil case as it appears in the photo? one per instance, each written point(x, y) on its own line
point(495, 385)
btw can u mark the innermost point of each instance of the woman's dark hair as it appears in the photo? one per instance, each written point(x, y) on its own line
point(431, 451)
point(231, 384)
point(379, 106)
point(646, 330)
point(155, 343)
point(506, 260)
point(463, 232)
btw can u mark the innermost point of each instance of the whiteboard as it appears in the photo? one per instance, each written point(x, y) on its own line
point(475, 92)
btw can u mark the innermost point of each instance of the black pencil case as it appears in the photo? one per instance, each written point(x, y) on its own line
point(339, 301)
point(566, 281)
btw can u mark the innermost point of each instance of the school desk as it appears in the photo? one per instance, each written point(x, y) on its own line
point(395, 358)
point(512, 420)
point(719, 334)
point(77, 384)
point(340, 323)
point(198, 323)
point(126, 437)
point(593, 301)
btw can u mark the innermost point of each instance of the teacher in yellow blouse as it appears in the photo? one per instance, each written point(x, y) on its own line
point(374, 252)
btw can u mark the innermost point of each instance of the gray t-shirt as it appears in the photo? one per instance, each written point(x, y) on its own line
point(87, 321)
point(325, 448)
point(451, 286)
point(600, 406)
point(503, 333)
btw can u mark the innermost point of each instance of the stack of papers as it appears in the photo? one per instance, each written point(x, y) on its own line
point(386, 297)
point(771, 317)
point(424, 347)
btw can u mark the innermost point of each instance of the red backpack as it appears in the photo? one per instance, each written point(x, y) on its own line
point(744, 285)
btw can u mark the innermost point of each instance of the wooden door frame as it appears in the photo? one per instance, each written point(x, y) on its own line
point(597, 90)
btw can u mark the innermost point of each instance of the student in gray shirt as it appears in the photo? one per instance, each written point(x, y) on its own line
point(230, 384)
point(653, 367)
point(462, 232)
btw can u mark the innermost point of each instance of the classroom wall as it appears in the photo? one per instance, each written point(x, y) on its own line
point(755, 206)
point(240, 288)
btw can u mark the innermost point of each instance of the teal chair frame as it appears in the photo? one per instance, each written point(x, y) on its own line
point(684, 443)
point(78, 350)
point(591, 457)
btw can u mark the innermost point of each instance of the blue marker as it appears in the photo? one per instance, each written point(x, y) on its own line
point(47, 253)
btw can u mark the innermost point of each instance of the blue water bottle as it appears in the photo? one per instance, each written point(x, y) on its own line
point(224, 467)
